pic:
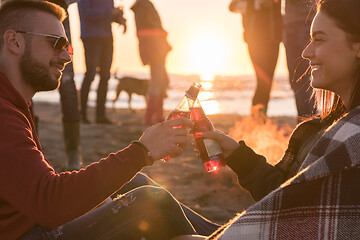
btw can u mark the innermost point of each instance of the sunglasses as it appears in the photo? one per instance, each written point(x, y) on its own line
point(60, 44)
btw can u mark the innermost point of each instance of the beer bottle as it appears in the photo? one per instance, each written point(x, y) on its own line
point(183, 108)
point(209, 150)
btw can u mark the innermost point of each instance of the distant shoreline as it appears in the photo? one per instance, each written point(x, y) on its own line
point(226, 94)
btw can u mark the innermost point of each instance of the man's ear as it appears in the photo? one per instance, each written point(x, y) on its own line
point(14, 42)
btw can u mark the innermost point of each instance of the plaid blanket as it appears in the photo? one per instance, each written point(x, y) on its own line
point(321, 202)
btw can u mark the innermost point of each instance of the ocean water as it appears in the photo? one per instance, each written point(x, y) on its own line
point(224, 94)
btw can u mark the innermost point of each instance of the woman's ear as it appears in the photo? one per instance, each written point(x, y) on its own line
point(13, 42)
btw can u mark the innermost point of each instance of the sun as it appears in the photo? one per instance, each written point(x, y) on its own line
point(207, 53)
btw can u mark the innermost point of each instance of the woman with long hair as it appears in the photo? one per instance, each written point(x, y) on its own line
point(313, 192)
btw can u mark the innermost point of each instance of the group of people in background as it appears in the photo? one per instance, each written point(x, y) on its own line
point(96, 18)
point(264, 29)
point(312, 193)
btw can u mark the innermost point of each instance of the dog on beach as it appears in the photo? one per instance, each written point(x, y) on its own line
point(131, 85)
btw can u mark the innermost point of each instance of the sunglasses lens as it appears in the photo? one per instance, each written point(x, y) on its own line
point(70, 50)
point(62, 44)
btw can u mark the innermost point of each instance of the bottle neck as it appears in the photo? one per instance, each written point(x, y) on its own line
point(188, 101)
point(197, 112)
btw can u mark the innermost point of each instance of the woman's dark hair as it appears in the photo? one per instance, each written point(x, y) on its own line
point(346, 14)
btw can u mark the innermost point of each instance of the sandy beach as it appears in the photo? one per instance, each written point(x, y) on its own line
point(217, 196)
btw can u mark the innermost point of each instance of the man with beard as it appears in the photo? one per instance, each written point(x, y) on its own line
point(35, 201)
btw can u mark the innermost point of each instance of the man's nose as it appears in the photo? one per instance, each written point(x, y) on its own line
point(65, 56)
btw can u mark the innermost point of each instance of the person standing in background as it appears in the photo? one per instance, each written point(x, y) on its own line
point(95, 24)
point(69, 105)
point(262, 22)
point(297, 21)
point(153, 49)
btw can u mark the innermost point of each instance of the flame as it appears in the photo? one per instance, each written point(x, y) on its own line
point(264, 136)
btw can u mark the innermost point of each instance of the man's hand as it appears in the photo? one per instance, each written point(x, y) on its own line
point(163, 140)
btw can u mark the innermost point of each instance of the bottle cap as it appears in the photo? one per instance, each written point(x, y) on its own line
point(193, 91)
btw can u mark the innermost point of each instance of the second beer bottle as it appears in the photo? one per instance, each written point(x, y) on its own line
point(208, 149)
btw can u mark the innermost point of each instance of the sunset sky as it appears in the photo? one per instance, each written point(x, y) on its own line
point(206, 39)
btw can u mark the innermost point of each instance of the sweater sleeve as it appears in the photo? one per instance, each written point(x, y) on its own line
point(33, 188)
point(254, 173)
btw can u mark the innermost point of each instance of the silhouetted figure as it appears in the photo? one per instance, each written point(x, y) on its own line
point(297, 21)
point(153, 48)
point(70, 106)
point(95, 22)
point(262, 22)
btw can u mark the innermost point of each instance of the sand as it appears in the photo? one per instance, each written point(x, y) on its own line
point(217, 196)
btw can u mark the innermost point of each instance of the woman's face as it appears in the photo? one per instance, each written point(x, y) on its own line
point(333, 58)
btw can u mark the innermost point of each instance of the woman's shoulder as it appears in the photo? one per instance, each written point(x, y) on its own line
point(306, 127)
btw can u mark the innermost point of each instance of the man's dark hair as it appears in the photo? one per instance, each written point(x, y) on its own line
point(18, 14)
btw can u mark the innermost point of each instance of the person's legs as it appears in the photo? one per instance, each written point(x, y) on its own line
point(71, 113)
point(67, 88)
point(263, 34)
point(71, 123)
point(158, 72)
point(149, 212)
point(296, 37)
point(202, 225)
point(104, 65)
point(92, 50)
point(156, 93)
point(139, 180)
point(150, 109)
point(264, 57)
point(69, 98)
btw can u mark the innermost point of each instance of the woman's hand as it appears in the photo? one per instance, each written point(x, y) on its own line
point(227, 144)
